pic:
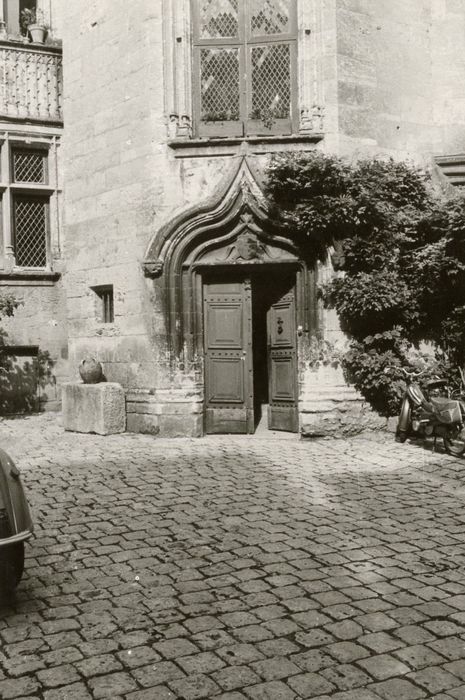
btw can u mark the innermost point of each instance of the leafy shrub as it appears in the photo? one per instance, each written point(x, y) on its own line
point(322, 353)
point(8, 305)
point(402, 249)
point(365, 366)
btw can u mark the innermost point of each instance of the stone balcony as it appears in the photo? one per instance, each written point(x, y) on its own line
point(31, 83)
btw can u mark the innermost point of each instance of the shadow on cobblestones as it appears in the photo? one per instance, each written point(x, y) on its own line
point(236, 568)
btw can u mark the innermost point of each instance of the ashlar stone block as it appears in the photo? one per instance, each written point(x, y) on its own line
point(94, 408)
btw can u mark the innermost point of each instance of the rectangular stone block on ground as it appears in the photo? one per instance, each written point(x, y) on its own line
point(94, 408)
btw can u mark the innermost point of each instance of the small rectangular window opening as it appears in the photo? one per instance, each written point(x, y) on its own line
point(105, 308)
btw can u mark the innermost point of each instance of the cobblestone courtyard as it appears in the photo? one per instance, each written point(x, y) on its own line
point(236, 567)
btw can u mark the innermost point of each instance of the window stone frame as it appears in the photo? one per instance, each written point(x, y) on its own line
point(178, 69)
point(49, 191)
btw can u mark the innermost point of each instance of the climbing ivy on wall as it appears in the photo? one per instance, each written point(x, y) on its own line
point(401, 247)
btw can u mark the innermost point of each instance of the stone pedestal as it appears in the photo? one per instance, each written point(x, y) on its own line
point(94, 408)
point(329, 407)
point(166, 412)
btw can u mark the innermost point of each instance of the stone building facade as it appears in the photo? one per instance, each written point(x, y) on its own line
point(173, 109)
point(34, 341)
point(173, 276)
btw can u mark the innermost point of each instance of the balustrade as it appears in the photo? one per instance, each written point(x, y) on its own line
point(31, 82)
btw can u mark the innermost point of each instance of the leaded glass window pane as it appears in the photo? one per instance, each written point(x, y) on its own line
point(218, 19)
point(269, 16)
point(30, 214)
point(245, 67)
point(29, 166)
point(219, 75)
point(271, 82)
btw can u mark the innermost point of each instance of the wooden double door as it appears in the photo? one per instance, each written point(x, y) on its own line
point(249, 337)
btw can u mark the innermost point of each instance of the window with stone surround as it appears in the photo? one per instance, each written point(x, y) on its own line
point(245, 66)
point(30, 216)
point(26, 196)
point(239, 60)
point(105, 312)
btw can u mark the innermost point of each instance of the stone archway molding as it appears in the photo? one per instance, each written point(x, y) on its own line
point(232, 227)
point(240, 193)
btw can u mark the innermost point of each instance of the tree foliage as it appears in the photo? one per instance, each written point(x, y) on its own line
point(401, 248)
point(8, 305)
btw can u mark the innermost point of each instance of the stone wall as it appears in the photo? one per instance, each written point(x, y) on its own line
point(40, 320)
point(448, 72)
point(374, 76)
point(114, 192)
point(330, 408)
point(401, 73)
point(122, 183)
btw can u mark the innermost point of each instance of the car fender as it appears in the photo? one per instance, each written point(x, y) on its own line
point(16, 522)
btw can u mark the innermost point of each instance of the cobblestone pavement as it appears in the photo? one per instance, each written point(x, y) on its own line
point(236, 567)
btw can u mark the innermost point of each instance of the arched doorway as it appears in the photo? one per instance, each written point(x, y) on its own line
point(239, 299)
point(249, 345)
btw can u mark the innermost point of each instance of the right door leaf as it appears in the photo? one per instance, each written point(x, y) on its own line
point(281, 321)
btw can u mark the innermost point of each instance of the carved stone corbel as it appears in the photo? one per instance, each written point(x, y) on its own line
point(152, 268)
point(179, 127)
point(173, 125)
point(312, 119)
point(185, 126)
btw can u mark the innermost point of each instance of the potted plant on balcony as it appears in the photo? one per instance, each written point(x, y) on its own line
point(32, 22)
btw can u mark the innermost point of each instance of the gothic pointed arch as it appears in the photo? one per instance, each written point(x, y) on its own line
point(231, 228)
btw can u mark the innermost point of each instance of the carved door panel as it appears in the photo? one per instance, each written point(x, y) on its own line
point(282, 364)
point(228, 357)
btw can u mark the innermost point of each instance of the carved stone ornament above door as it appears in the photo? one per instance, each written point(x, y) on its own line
point(235, 221)
point(233, 227)
point(246, 247)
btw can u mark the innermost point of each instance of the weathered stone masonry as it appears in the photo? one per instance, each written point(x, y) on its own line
point(372, 80)
point(31, 264)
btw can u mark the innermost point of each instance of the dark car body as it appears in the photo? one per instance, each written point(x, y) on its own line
point(15, 523)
